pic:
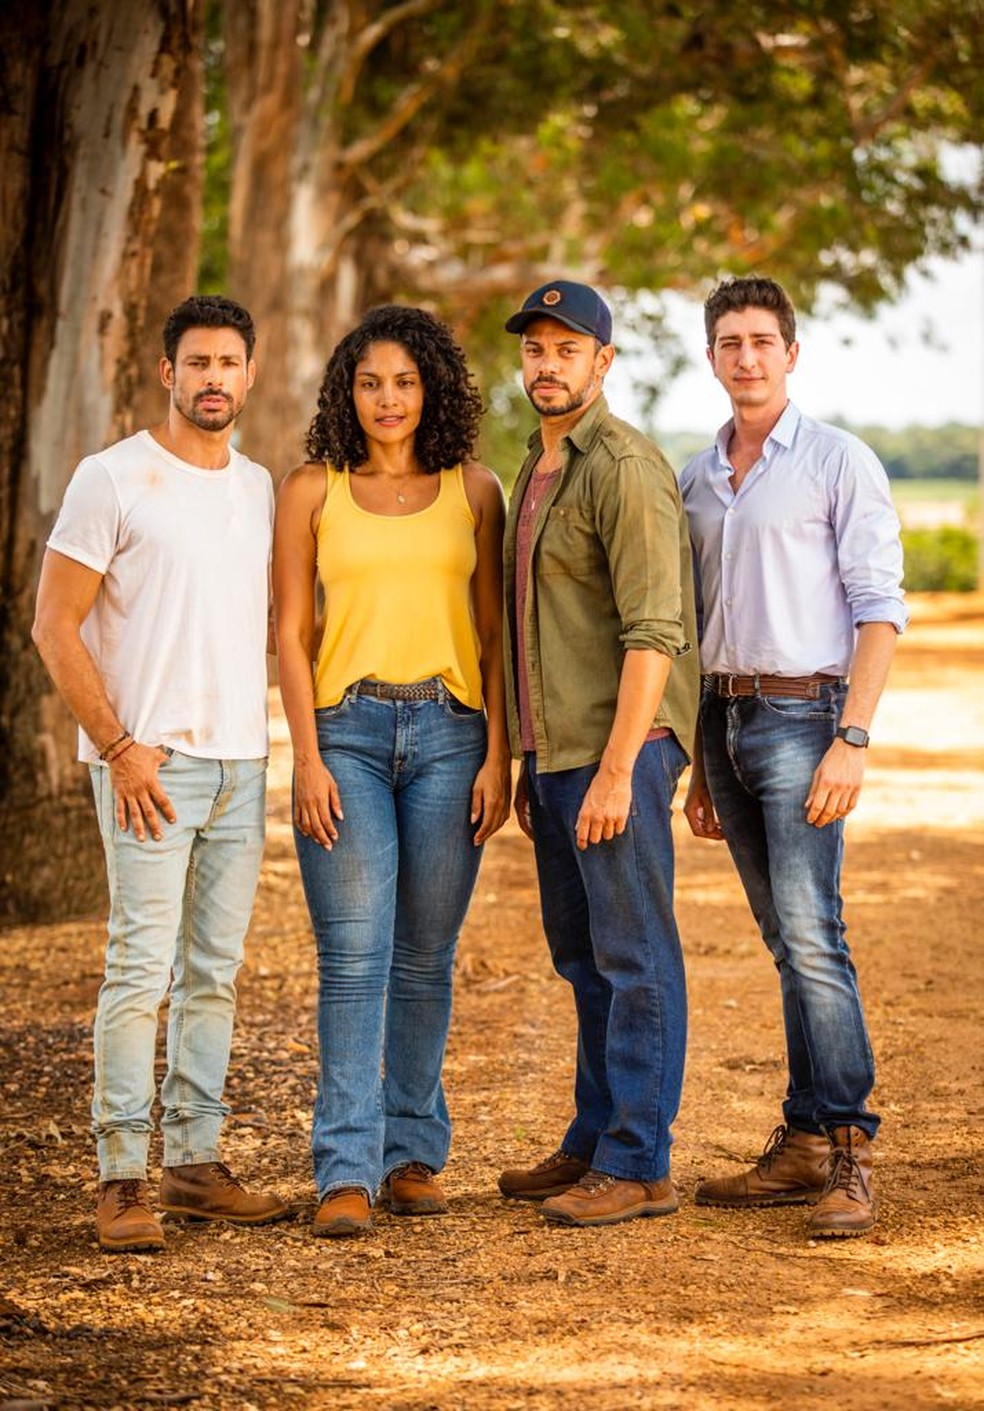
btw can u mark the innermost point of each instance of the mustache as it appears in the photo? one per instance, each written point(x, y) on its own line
point(201, 396)
point(549, 382)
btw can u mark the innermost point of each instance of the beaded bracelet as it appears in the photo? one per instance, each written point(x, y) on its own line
point(119, 753)
point(113, 743)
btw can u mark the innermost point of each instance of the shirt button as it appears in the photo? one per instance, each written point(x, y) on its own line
point(728, 602)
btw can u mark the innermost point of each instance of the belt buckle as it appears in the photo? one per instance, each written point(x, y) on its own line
point(731, 686)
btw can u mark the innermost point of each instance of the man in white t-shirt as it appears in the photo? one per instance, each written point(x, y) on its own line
point(152, 622)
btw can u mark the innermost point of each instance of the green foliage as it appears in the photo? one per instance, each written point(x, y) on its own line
point(213, 268)
point(925, 452)
point(940, 560)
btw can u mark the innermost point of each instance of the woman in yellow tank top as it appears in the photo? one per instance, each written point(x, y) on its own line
point(401, 762)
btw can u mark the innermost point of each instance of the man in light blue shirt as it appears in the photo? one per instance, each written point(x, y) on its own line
point(799, 563)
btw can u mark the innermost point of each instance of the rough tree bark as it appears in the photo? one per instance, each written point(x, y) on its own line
point(87, 96)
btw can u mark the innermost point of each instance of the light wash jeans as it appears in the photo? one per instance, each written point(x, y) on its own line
point(759, 757)
point(387, 903)
point(609, 922)
point(178, 908)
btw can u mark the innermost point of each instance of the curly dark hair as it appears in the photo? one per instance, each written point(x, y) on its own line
point(732, 296)
point(206, 311)
point(452, 406)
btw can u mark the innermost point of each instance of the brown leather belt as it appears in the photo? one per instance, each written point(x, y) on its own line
point(389, 691)
point(800, 688)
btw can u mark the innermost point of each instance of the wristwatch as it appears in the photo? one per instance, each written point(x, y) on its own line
point(853, 735)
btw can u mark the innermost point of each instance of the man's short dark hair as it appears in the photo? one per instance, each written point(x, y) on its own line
point(207, 311)
point(751, 292)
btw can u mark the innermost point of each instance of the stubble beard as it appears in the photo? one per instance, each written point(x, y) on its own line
point(573, 402)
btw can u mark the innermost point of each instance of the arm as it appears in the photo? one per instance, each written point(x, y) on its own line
point(836, 783)
point(698, 807)
point(66, 594)
point(299, 503)
point(492, 786)
point(605, 809)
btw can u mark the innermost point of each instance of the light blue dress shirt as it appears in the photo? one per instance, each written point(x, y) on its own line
point(806, 551)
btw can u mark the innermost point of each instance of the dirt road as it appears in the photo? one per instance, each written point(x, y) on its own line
point(488, 1309)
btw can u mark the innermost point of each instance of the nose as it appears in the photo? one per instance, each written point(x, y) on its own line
point(746, 354)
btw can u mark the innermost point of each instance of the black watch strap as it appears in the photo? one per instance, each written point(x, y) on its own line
point(853, 735)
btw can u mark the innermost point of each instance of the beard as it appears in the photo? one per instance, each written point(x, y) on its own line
point(216, 420)
point(573, 400)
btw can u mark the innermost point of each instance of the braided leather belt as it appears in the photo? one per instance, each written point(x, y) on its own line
point(388, 691)
point(800, 688)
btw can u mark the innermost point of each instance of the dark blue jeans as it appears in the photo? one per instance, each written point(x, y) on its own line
point(759, 757)
point(608, 917)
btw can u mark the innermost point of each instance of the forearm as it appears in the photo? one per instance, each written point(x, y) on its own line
point(72, 669)
point(869, 671)
point(494, 696)
point(297, 693)
point(640, 691)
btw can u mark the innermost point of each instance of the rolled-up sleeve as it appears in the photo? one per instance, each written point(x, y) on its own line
point(638, 517)
point(869, 547)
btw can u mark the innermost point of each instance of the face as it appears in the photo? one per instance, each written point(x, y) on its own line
point(388, 393)
point(563, 371)
point(210, 377)
point(750, 360)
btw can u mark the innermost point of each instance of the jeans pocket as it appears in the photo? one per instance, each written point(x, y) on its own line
point(458, 710)
point(791, 708)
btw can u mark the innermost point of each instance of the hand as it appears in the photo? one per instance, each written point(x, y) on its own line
point(699, 810)
point(836, 784)
point(521, 802)
point(490, 798)
point(605, 807)
point(138, 791)
point(316, 803)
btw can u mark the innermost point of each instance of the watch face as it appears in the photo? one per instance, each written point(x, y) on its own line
point(854, 735)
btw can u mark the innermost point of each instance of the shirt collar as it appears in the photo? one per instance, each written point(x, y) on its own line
point(783, 434)
point(582, 433)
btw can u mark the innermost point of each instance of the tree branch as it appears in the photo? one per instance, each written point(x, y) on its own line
point(374, 34)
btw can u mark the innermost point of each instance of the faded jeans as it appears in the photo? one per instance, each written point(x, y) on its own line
point(760, 754)
point(387, 903)
point(179, 909)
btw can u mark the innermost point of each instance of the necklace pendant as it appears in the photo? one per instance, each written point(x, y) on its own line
point(401, 498)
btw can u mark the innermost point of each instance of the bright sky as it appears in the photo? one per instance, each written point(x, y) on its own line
point(919, 361)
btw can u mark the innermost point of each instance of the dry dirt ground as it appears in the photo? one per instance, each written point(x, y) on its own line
point(487, 1307)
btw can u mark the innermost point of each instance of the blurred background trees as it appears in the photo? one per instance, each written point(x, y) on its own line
point(314, 157)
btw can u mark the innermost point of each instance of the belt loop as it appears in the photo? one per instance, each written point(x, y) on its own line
point(731, 685)
point(756, 679)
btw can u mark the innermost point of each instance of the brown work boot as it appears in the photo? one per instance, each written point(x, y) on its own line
point(343, 1212)
point(208, 1190)
point(600, 1199)
point(124, 1219)
point(847, 1206)
point(412, 1190)
point(551, 1176)
point(791, 1171)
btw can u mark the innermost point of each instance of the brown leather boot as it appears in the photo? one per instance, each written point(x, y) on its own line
point(791, 1171)
point(600, 1199)
point(553, 1175)
point(208, 1190)
point(124, 1219)
point(343, 1212)
point(412, 1190)
point(847, 1206)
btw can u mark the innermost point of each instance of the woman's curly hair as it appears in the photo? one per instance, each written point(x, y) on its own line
point(452, 406)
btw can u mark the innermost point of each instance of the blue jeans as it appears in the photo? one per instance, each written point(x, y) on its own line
point(608, 918)
point(179, 909)
point(759, 757)
point(386, 904)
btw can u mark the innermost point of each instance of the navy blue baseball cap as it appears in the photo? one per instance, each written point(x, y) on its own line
point(576, 305)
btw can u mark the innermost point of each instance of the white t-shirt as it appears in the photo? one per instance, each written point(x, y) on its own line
point(178, 629)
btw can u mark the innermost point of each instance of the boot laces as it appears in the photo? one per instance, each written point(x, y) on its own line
point(413, 1168)
point(844, 1174)
point(773, 1148)
point(130, 1193)
point(556, 1158)
point(592, 1182)
point(224, 1174)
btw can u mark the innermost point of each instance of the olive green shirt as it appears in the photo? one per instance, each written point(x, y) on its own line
point(611, 570)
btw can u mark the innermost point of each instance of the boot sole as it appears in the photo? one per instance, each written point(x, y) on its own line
point(560, 1217)
point(341, 1229)
point(422, 1207)
point(758, 1202)
point(178, 1212)
point(145, 1246)
point(538, 1195)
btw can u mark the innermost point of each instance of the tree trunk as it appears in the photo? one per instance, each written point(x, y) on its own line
point(89, 95)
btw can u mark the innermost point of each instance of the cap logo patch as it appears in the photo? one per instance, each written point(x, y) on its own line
point(551, 297)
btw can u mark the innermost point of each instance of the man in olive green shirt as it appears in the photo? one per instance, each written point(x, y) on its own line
point(602, 701)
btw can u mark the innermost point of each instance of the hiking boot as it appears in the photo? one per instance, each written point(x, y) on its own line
point(551, 1176)
point(208, 1190)
point(791, 1171)
point(847, 1206)
point(412, 1190)
point(342, 1212)
point(600, 1199)
point(124, 1219)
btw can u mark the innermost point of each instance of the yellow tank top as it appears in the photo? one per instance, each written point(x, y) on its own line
point(397, 593)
